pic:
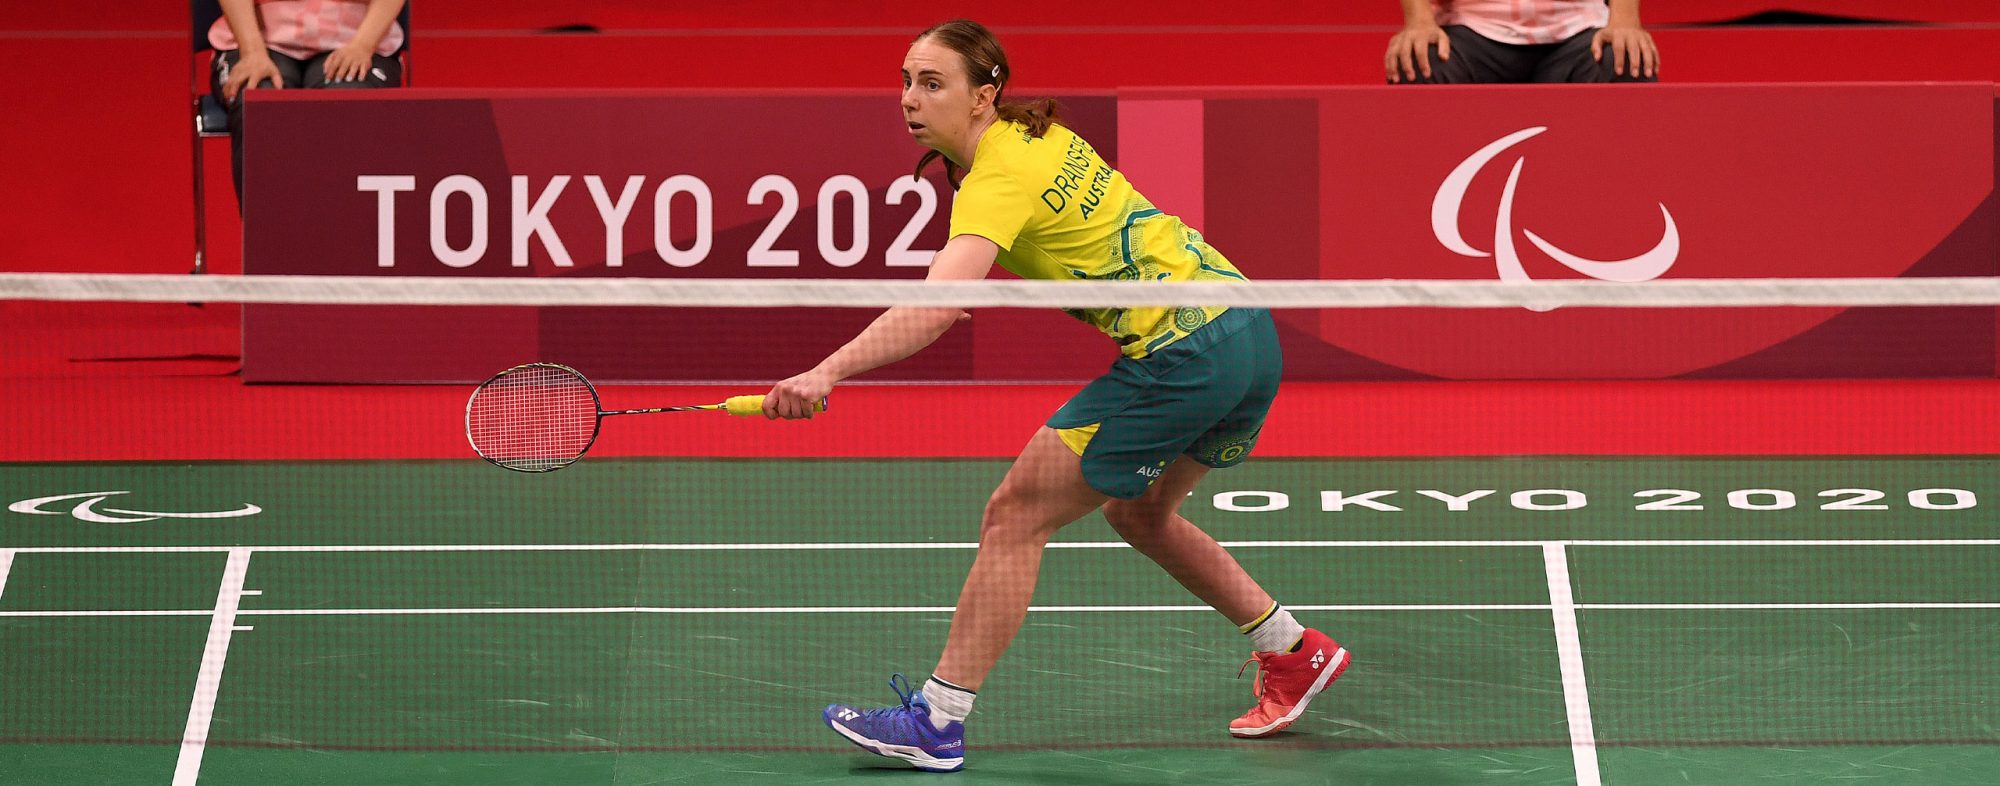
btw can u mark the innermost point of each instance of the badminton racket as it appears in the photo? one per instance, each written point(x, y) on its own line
point(541, 417)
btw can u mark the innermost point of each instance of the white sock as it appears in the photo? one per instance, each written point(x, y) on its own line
point(949, 703)
point(1275, 631)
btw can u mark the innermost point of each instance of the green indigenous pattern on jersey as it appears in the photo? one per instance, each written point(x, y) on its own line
point(1058, 211)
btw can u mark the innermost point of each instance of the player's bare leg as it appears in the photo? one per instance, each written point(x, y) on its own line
point(1153, 525)
point(1295, 663)
point(1044, 491)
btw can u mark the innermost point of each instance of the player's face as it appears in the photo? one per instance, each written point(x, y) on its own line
point(938, 100)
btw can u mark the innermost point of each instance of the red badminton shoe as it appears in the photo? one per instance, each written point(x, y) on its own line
point(1287, 681)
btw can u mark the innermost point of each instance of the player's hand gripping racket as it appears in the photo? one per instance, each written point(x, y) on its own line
point(541, 417)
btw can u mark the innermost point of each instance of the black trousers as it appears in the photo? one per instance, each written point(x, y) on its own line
point(309, 73)
point(1476, 59)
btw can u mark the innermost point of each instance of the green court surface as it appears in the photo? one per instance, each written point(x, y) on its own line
point(1519, 621)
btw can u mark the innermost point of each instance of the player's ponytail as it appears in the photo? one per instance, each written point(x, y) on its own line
point(950, 169)
point(1036, 115)
point(986, 64)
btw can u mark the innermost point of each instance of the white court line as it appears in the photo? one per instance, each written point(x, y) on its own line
point(856, 609)
point(740, 610)
point(734, 610)
point(202, 710)
point(1352, 607)
point(911, 546)
point(6, 564)
point(121, 613)
point(1569, 650)
point(1780, 606)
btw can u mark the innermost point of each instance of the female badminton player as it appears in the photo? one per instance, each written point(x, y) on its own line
point(1188, 394)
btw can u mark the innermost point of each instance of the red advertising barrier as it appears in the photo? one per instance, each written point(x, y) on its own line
point(1616, 183)
point(1626, 183)
point(103, 184)
point(696, 185)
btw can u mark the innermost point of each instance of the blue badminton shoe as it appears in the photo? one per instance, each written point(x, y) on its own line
point(902, 732)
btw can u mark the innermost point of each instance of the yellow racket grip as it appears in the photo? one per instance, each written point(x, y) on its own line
point(746, 406)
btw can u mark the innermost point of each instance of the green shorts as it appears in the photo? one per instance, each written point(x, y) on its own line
point(1204, 396)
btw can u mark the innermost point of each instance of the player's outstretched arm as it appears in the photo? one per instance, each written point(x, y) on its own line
point(899, 333)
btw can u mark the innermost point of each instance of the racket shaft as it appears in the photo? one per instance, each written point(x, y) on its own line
point(740, 406)
point(659, 409)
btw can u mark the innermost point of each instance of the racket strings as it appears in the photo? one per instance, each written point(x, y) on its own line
point(533, 418)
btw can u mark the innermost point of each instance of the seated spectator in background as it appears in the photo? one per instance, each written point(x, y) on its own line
point(300, 43)
point(1488, 41)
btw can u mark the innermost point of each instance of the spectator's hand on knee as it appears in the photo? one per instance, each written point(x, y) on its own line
point(347, 64)
point(1409, 52)
point(1630, 47)
point(251, 70)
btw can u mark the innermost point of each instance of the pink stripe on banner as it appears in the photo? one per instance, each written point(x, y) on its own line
point(1160, 152)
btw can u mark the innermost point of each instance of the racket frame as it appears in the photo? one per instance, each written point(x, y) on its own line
point(596, 422)
point(596, 403)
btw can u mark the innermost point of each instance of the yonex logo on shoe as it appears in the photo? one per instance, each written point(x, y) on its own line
point(846, 714)
point(1319, 657)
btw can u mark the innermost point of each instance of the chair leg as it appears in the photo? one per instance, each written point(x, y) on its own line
point(200, 204)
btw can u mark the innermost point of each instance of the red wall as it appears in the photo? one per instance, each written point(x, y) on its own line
point(98, 157)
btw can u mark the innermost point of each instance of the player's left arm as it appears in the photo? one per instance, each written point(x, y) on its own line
point(903, 330)
point(898, 333)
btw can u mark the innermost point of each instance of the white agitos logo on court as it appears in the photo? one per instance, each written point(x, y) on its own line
point(1451, 195)
point(88, 509)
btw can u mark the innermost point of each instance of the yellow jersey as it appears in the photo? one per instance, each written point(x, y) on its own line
point(1058, 211)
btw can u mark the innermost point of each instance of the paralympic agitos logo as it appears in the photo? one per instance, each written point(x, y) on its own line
point(89, 510)
point(1451, 196)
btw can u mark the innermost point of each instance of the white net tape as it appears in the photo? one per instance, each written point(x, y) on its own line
point(439, 290)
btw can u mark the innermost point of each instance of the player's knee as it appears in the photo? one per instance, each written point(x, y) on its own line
point(1138, 522)
point(1010, 516)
